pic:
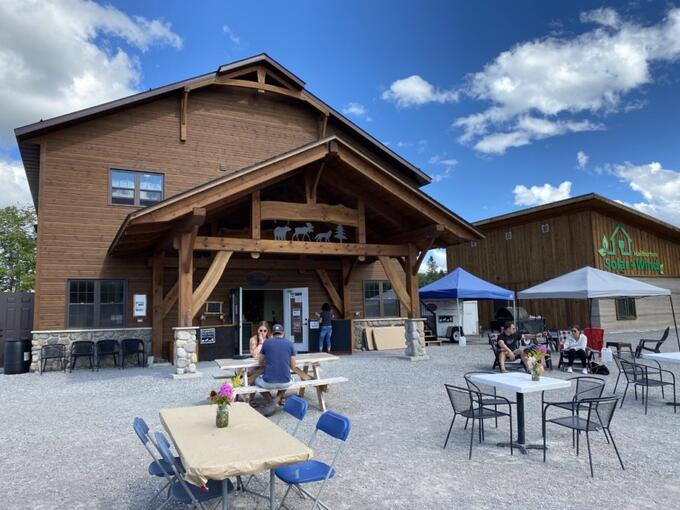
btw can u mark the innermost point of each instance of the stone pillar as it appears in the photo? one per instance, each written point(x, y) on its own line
point(185, 353)
point(415, 339)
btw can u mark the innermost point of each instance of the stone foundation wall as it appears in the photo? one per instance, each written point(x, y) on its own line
point(67, 336)
point(358, 326)
point(185, 350)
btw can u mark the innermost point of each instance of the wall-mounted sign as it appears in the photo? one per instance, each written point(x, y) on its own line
point(139, 305)
point(445, 318)
point(207, 336)
point(313, 324)
point(620, 256)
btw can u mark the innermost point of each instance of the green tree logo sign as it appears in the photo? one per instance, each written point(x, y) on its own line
point(619, 239)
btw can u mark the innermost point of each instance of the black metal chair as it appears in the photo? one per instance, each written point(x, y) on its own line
point(108, 347)
point(599, 414)
point(646, 376)
point(468, 404)
point(134, 346)
point(642, 344)
point(82, 349)
point(516, 363)
point(491, 401)
point(52, 352)
point(630, 367)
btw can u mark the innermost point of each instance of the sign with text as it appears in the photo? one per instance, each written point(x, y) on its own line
point(619, 254)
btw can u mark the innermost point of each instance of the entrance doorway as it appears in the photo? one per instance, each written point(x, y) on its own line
point(288, 307)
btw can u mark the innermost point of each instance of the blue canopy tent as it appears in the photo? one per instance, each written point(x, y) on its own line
point(459, 284)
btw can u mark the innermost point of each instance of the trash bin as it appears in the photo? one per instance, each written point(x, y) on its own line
point(17, 356)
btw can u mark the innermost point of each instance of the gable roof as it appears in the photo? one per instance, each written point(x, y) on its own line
point(584, 202)
point(229, 187)
point(31, 164)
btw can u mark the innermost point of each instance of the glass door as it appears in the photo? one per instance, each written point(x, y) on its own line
point(296, 317)
point(236, 298)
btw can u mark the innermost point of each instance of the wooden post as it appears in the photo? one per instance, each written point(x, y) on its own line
point(255, 215)
point(361, 227)
point(186, 272)
point(157, 274)
point(400, 289)
point(412, 281)
point(210, 280)
point(346, 290)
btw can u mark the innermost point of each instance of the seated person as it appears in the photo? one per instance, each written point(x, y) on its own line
point(575, 345)
point(508, 347)
point(277, 356)
point(258, 339)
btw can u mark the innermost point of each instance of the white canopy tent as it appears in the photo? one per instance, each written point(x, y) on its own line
point(590, 283)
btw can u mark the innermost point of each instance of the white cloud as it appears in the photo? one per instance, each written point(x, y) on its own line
point(415, 91)
point(233, 37)
point(659, 187)
point(537, 88)
point(441, 159)
point(582, 159)
point(61, 56)
point(538, 195)
point(356, 110)
point(439, 256)
point(14, 185)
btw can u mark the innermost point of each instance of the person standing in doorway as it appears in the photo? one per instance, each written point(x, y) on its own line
point(326, 331)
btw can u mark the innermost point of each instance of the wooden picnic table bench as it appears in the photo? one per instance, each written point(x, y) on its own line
point(308, 370)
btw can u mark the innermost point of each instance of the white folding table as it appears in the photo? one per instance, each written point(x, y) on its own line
point(520, 383)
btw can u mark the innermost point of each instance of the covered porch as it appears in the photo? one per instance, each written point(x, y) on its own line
point(320, 217)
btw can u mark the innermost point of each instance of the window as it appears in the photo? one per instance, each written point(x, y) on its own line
point(625, 309)
point(135, 188)
point(379, 299)
point(96, 303)
point(545, 228)
point(213, 307)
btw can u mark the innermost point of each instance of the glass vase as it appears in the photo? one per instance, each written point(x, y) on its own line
point(222, 416)
point(536, 372)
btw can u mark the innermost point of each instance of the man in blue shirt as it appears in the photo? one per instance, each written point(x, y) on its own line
point(278, 359)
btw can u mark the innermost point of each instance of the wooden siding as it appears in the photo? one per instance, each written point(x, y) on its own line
point(529, 258)
point(228, 128)
point(643, 240)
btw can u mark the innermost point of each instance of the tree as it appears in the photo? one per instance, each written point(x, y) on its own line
point(431, 274)
point(17, 249)
point(340, 233)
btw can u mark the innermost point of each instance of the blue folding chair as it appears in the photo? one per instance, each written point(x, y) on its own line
point(295, 407)
point(159, 467)
point(295, 475)
point(180, 490)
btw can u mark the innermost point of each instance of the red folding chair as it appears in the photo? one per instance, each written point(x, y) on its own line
point(595, 342)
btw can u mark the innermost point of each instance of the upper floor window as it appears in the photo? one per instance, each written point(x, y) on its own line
point(135, 188)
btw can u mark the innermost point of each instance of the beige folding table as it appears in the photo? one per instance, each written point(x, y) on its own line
point(249, 445)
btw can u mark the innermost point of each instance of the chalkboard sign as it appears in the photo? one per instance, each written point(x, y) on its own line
point(207, 336)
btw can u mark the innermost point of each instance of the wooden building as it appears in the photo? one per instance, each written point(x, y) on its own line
point(527, 247)
point(222, 200)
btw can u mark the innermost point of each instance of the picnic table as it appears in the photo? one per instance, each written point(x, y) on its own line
point(520, 383)
point(249, 445)
point(308, 369)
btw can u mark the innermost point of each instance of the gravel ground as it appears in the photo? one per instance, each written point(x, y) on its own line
point(67, 441)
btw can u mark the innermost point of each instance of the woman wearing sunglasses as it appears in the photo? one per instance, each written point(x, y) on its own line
point(575, 345)
point(262, 333)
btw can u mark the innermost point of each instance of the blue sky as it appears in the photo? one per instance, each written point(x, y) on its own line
point(506, 104)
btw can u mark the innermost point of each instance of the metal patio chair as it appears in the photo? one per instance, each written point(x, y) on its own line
point(493, 338)
point(296, 475)
point(180, 490)
point(132, 346)
point(642, 344)
point(466, 403)
point(630, 367)
point(82, 349)
point(108, 347)
point(599, 413)
point(158, 467)
point(646, 376)
point(490, 401)
point(52, 352)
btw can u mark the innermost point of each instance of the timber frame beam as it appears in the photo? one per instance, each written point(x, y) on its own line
point(400, 289)
point(209, 282)
point(271, 210)
point(338, 302)
point(207, 243)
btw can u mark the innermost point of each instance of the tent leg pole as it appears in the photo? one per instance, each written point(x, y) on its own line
point(590, 313)
point(675, 322)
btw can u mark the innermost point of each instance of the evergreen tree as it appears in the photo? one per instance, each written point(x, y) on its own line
point(17, 249)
